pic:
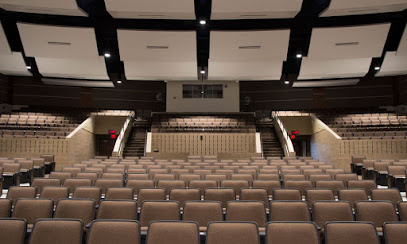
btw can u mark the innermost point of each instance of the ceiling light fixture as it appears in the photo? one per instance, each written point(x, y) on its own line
point(286, 82)
point(377, 68)
point(107, 55)
point(28, 67)
point(299, 55)
point(203, 72)
point(202, 22)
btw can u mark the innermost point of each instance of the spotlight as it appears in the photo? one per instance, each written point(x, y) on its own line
point(119, 82)
point(107, 55)
point(28, 67)
point(377, 68)
point(286, 82)
point(299, 55)
point(202, 22)
point(203, 71)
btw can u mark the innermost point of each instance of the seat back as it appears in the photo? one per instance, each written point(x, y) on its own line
point(289, 211)
point(351, 233)
point(137, 184)
point(352, 195)
point(312, 195)
point(377, 212)
point(55, 192)
point(169, 184)
point(49, 231)
point(326, 211)
point(172, 232)
point(159, 210)
point(119, 193)
point(368, 185)
point(251, 211)
point(402, 207)
point(395, 232)
point(16, 192)
point(60, 175)
point(12, 230)
point(334, 185)
point(237, 185)
point(107, 183)
point(292, 232)
point(114, 231)
point(182, 195)
point(301, 185)
point(83, 209)
point(202, 184)
point(90, 192)
point(222, 195)
point(269, 185)
point(392, 195)
point(117, 209)
point(5, 208)
point(41, 182)
point(33, 209)
point(254, 194)
point(202, 212)
point(287, 195)
point(232, 232)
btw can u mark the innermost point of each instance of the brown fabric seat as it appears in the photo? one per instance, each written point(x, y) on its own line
point(316, 177)
point(41, 182)
point(16, 192)
point(150, 194)
point(55, 193)
point(33, 209)
point(88, 175)
point(119, 193)
point(334, 185)
point(158, 211)
point(301, 185)
point(114, 231)
point(222, 195)
point(346, 177)
point(395, 232)
point(255, 194)
point(247, 211)
point(89, 192)
point(289, 211)
point(203, 184)
point(5, 208)
point(287, 195)
point(352, 195)
point(392, 195)
point(138, 176)
point(172, 232)
point(292, 232)
point(169, 184)
point(377, 212)
point(189, 177)
point(402, 207)
point(117, 209)
point(60, 175)
point(328, 211)
point(237, 185)
point(49, 231)
point(269, 185)
point(83, 209)
point(112, 176)
point(312, 195)
point(264, 176)
point(217, 177)
point(202, 212)
point(137, 184)
point(12, 230)
point(183, 195)
point(287, 177)
point(351, 233)
point(232, 233)
point(368, 185)
point(107, 183)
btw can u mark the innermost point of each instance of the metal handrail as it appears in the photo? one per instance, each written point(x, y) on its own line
point(122, 138)
point(288, 145)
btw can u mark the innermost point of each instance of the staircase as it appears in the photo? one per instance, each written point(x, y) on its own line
point(136, 142)
point(270, 142)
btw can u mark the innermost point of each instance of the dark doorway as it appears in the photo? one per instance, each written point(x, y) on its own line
point(105, 145)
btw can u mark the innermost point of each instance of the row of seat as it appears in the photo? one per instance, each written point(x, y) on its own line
point(47, 231)
point(203, 212)
point(373, 135)
point(52, 133)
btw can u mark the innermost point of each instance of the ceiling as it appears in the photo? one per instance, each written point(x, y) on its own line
point(242, 40)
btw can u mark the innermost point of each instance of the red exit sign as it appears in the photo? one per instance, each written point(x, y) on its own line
point(295, 132)
point(112, 132)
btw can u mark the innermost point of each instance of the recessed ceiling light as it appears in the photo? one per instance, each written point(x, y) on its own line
point(202, 22)
point(202, 92)
point(107, 55)
point(286, 82)
point(299, 55)
point(377, 68)
point(119, 82)
point(203, 71)
point(165, 81)
point(28, 67)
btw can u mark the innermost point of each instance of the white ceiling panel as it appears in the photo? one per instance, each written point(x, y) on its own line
point(247, 55)
point(81, 83)
point(402, 50)
point(255, 9)
point(242, 46)
point(151, 9)
point(325, 83)
point(150, 70)
point(57, 41)
point(245, 70)
point(357, 7)
point(348, 42)
point(73, 68)
point(334, 68)
point(13, 64)
point(158, 55)
point(393, 65)
point(4, 46)
point(56, 7)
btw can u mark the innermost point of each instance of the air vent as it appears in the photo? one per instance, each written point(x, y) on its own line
point(253, 15)
point(157, 47)
point(60, 43)
point(363, 10)
point(249, 47)
point(347, 43)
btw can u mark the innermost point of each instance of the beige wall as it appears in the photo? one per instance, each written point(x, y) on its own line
point(302, 124)
point(105, 123)
point(229, 103)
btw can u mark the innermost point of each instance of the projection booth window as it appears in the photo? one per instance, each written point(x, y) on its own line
point(202, 91)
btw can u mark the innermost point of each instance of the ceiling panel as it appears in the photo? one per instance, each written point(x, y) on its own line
point(58, 41)
point(334, 68)
point(402, 50)
point(248, 55)
point(55, 7)
point(151, 9)
point(358, 7)
point(81, 83)
point(255, 9)
point(348, 42)
point(325, 83)
point(73, 68)
point(393, 65)
point(158, 55)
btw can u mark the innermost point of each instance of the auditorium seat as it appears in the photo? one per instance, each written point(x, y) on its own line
point(55, 193)
point(117, 209)
point(83, 209)
point(138, 176)
point(222, 195)
point(395, 232)
point(293, 177)
point(12, 230)
point(345, 177)
point(33, 209)
point(352, 195)
point(368, 185)
point(334, 185)
point(377, 212)
point(11, 174)
point(395, 176)
point(185, 194)
point(119, 193)
point(137, 184)
point(169, 184)
point(351, 233)
point(72, 183)
point(172, 232)
point(41, 182)
point(289, 211)
point(88, 192)
point(292, 232)
point(202, 185)
point(301, 185)
point(16, 192)
point(202, 212)
point(328, 211)
point(107, 183)
point(312, 195)
point(247, 211)
point(255, 194)
point(48, 231)
point(5, 208)
point(158, 211)
point(217, 177)
point(61, 175)
point(232, 232)
point(269, 185)
point(237, 185)
point(287, 195)
point(114, 231)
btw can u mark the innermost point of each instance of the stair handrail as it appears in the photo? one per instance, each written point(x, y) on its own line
point(285, 138)
point(122, 138)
